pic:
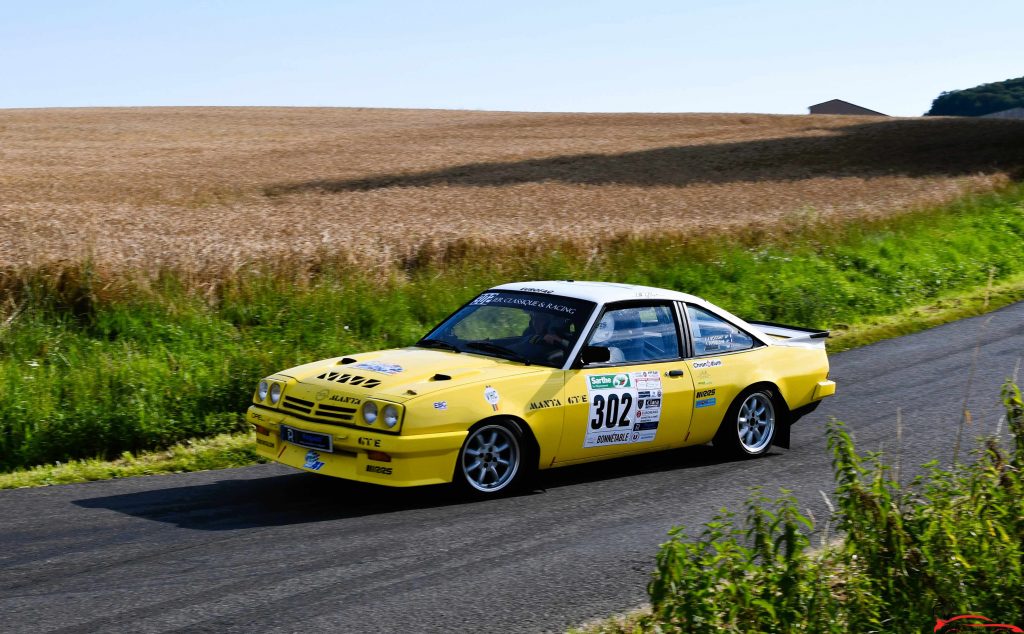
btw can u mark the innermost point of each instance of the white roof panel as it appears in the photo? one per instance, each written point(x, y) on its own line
point(599, 292)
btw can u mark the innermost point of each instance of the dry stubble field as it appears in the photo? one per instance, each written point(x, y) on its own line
point(215, 189)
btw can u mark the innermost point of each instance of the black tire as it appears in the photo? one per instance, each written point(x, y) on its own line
point(494, 459)
point(750, 424)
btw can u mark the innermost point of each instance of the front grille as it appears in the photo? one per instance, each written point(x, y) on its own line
point(297, 404)
point(350, 379)
point(335, 413)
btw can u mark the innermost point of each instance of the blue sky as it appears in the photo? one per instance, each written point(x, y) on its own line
point(597, 56)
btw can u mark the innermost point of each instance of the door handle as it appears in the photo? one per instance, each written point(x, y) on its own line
point(675, 373)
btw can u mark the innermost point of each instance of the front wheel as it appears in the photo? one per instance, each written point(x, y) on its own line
point(749, 425)
point(491, 459)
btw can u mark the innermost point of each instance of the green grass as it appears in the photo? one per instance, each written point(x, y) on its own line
point(219, 452)
point(93, 366)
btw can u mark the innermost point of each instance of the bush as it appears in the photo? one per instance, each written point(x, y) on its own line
point(951, 542)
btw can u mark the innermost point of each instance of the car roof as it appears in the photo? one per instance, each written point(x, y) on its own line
point(599, 292)
point(608, 292)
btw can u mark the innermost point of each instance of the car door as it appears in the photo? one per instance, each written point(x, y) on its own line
point(641, 399)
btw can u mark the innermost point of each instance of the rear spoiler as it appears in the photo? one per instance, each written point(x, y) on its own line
point(790, 334)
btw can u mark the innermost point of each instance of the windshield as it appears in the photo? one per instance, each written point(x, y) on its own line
point(524, 327)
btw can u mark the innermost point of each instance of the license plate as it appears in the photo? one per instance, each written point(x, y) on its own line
point(308, 439)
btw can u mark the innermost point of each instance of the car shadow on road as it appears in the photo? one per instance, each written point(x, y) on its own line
point(298, 498)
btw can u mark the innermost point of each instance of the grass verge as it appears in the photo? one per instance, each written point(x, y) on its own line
point(970, 303)
point(220, 452)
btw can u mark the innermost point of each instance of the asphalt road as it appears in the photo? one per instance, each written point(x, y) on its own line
point(267, 549)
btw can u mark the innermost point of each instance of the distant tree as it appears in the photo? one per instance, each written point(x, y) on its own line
point(983, 99)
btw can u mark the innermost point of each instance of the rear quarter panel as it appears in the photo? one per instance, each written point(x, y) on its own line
point(718, 380)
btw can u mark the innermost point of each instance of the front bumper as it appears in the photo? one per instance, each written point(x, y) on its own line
point(415, 460)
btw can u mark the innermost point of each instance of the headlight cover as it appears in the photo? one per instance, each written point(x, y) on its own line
point(261, 391)
point(275, 393)
point(369, 412)
point(390, 415)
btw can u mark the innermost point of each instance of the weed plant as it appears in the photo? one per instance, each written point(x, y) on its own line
point(93, 365)
point(951, 542)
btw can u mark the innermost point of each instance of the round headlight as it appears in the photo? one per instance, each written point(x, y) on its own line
point(261, 391)
point(369, 412)
point(275, 393)
point(390, 415)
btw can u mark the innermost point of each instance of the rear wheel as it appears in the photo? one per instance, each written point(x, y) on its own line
point(749, 425)
point(491, 459)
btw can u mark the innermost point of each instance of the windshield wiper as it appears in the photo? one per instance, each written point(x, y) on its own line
point(436, 343)
point(508, 353)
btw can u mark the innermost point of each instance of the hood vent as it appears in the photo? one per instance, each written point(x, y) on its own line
point(349, 379)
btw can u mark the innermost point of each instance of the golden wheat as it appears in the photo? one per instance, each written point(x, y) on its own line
point(214, 189)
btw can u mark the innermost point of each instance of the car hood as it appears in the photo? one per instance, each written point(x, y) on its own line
point(405, 373)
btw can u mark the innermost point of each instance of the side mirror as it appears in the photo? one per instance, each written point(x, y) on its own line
point(595, 354)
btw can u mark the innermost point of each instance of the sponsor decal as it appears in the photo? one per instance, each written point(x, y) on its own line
point(705, 402)
point(265, 443)
point(605, 439)
point(537, 290)
point(961, 622)
point(553, 402)
point(516, 300)
point(491, 396)
point(705, 393)
point(717, 338)
point(703, 378)
point(382, 368)
point(313, 461)
point(372, 468)
point(485, 298)
point(441, 405)
point(623, 408)
point(601, 381)
point(337, 398)
point(710, 363)
point(321, 395)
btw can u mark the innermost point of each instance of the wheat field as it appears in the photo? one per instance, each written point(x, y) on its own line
point(216, 189)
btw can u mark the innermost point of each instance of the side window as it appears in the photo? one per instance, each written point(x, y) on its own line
point(637, 334)
point(714, 335)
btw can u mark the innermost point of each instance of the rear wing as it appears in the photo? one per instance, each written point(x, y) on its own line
point(787, 335)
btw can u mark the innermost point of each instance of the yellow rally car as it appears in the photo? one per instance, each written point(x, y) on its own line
point(538, 375)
